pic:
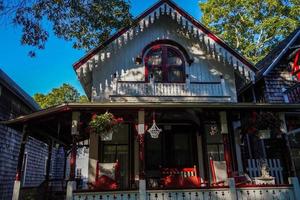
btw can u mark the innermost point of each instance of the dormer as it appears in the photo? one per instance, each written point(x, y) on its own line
point(166, 55)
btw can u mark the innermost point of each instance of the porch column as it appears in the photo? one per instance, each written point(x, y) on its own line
point(71, 186)
point(236, 131)
point(17, 184)
point(93, 156)
point(224, 131)
point(290, 162)
point(141, 135)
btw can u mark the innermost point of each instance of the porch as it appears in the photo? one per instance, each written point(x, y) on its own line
point(182, 163)
point(250, 192)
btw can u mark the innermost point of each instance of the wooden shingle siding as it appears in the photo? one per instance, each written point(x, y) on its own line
point(57, 164)
point(278, 79)
point(11, 106)
point(36, 151)
point(9, 149)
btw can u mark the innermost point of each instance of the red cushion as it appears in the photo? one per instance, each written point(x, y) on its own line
point(193, 181)
point(106, 183)
point(176, 181)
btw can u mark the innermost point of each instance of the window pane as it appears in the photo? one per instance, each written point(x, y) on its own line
point(157, 74)
point(120, 136)
point(109, 154)
point(155, 57)
point(173, 58)
point(176, 74)
point(213, 152)
point(182, 154)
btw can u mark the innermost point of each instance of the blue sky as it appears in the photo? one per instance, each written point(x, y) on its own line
point(53, 66)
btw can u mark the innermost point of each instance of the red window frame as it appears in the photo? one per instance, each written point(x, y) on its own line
point(296, 66)
point(165, 66)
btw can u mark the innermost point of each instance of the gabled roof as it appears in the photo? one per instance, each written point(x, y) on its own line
point(184, 14)
point(18, 91)
point(267, 63)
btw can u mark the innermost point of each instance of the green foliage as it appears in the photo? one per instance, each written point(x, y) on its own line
point(83, 99)
point(86, 23)
point(63, 94)
point(253, 27)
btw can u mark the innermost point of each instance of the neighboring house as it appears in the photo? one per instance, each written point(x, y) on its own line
point(15, 102)
point(278, 81)
point(169, 70)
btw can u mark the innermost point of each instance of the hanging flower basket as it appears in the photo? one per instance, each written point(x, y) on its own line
point(262, 124)
point(105, 125)
point(106, 136)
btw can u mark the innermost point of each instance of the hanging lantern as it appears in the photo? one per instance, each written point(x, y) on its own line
point(154, 130)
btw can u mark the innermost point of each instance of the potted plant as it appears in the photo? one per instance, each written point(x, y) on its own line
point(105, 125)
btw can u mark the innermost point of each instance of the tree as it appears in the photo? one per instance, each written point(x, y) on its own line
point(63, 94)
point(86, 23)
point(253, 27)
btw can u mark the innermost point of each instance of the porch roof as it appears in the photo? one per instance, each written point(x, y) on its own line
point(68, 107)
point(55, 122)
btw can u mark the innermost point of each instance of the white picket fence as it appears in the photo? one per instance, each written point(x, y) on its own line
point(275, 169)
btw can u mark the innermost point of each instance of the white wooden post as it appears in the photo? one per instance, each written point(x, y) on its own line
point(223, 119)
point(236, 125)
point(296, 188)
point(284, 130)
point(71, 185)
point(232, 189)
point(141, 133)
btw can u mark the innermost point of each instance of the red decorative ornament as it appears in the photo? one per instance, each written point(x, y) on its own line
point(296, 66)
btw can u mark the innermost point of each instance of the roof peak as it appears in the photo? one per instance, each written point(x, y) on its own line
point(171, 8)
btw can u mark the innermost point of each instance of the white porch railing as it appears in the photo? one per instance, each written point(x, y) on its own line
point(214, 89)
point(265, 193)
point(249, 193)
point(200, 194)
point(113, 195)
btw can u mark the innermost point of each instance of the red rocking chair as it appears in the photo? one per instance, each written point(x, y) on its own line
point(107, 176)
point(180, 178)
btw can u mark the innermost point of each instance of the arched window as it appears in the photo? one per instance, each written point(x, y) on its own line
point(165, 63)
